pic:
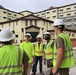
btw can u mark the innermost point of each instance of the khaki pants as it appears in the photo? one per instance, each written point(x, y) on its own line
point(29, 68)
point(63, 71)
point(49, 67)
point(48, 70)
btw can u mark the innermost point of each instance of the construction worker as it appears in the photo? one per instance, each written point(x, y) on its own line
point(11, 57)
point(48, 55)
point(63, 53)
point(29, 49)
point(38, 55)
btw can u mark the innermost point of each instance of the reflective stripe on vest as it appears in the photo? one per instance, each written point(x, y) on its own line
point(15, 66)
point(65, 57)
point(48, 50)
point(49, 53)
point(12, 69)
point(38, 49)
point(68, 55)
point(68, 50)
point(11, 73)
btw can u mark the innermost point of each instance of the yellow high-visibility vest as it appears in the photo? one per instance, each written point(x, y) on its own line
point(48, 50)
point(68, 60)
point(38, 49)
point(10, 60)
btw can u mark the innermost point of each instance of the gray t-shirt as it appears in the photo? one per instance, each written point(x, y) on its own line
point(59, 42)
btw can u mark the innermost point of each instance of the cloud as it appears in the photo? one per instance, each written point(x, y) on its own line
point(33, 5)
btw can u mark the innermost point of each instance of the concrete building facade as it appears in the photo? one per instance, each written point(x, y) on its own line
point(38, 23)
point(28, 24)
point(7, 15)
point(67, 13)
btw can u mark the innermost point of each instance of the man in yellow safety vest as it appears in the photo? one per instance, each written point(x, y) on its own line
point(38, 55)
point(12, 58)
point(48, 52)
point(63, 53)
point(29, 49)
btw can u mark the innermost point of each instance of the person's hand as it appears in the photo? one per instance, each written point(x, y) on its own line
point(44, 62)
point(54, 71)
point(33, 60)
point(50, 62)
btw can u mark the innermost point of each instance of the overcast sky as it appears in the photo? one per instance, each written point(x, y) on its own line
point(33, 5)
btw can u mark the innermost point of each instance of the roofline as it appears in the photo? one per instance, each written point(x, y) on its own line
point(45, 10)
point(67, 5)
point(39, 11)
point(26, 11)
point(11, 11)
point(40, 18)
point(55, 8)
point(24, 17)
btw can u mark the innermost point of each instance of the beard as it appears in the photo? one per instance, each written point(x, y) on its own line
point(48, 38)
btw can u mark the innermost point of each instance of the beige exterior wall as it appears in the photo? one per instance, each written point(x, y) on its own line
point(72, 35)
point(53, 35)
point(68, 13)
point(48, 14)
point(17, 27)
point(3, 16)
point(64, 12)
point(6, 15)
point(59, 12)
point(67, 10)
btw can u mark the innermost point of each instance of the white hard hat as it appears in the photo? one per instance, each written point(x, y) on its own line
point(6, 35)
point(58, 22)
point(46, 33)
point(38, 36)
point(28, 34)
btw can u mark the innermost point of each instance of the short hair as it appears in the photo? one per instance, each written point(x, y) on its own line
point(62, 27)
point(7, 43)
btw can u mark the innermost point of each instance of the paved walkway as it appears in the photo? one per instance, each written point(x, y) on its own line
point(72, 70)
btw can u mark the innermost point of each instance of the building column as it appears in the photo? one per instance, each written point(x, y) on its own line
point(24, 33)
point(41, 32)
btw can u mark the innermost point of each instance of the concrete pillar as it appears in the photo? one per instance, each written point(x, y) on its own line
point(41, 32)
point(24, 33)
